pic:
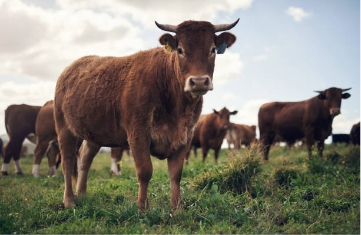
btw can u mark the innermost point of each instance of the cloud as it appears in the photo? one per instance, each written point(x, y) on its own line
point(228, 66)
point(297, 13)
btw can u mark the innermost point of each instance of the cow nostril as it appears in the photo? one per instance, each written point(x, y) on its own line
point(206, 82)
point(192, 83)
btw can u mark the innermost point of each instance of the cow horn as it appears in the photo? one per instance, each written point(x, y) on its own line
point(346, 89)
point(224, 27)
point(167, 27)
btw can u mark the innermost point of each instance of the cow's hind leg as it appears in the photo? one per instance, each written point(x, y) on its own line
point(68, 151)
point(87, 153)
point(39, 152)
point(13, 150)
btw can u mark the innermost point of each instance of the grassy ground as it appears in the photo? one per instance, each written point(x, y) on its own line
point(290, 194)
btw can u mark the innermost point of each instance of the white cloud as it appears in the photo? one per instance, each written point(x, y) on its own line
point(297, 13)
point(228, 67)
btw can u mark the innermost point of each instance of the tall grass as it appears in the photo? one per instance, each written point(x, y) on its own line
point(290, 194)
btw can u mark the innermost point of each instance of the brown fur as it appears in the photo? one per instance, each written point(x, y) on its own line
point(46, 139)
point(294, 120)
point(210, 132)
point(240, 134)
point(19, 123)
point(140, 101)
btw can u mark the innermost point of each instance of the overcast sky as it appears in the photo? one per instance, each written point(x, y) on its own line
point(285, 49)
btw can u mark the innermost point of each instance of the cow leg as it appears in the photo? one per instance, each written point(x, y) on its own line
point(87, 153)
point(204, 152)
point(267, 140)
point(175, 166)
point(116, 156)
point(68, 151)
point(310, 142)
point(139, 145)
point(216, 154)
point(39, 152)
point(53, 157)
point(320, 146)
point(12, 150)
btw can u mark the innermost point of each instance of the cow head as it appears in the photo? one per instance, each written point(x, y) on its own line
point(332, 98)
point(223, 117)
point(195, 45)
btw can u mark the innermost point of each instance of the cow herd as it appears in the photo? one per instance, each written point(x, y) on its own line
point(150, 103)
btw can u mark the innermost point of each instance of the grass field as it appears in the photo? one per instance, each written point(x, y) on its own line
point(289, 194)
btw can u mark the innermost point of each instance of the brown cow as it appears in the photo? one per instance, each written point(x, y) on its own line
point(292, 121)
point(210, 132)
point(355, 134)
point(149, 101)
point(240, 134)
point(19, 123)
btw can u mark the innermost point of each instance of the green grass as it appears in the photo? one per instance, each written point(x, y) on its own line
point(289, 194)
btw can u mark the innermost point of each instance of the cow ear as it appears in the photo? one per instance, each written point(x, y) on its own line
point(215, 111)
point(223, 41)
point(345, 95)
point(168, 41)
point(234, 112)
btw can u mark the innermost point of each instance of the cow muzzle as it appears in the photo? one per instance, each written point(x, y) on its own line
point(334, 112)
point(198, 85)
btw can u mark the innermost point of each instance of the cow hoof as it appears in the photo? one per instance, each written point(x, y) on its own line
point(19, 173)
point(4, 173)
point(69, 204)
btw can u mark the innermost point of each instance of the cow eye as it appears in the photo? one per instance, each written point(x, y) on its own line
point(213, 50)
point(179, 50)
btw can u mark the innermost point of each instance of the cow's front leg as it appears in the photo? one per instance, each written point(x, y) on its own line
point(175, 167)
point(140, 147)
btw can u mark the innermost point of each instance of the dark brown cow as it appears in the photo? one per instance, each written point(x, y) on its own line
point(292, 121)
point(240, 134)
point(355, 134)
point(149, 101)
point(19, 123)
point(210, 132)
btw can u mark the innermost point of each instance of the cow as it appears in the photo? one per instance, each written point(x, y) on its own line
point(340, 138)
point(148, 101)
point(240, 134)
point(210, 132)
point(292, 121)
point(355, 134)
point(20, 124)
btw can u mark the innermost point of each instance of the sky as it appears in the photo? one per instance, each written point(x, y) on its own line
point(285, 49)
